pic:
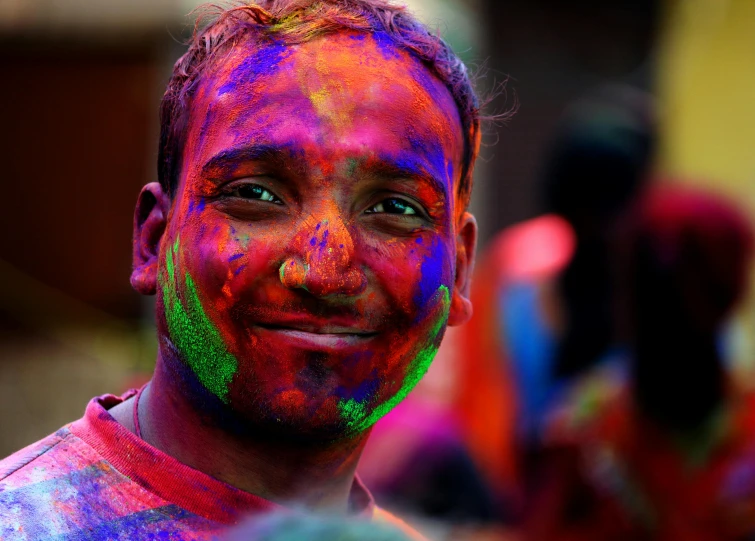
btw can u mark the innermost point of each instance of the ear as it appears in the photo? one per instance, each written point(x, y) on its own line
point(466, 245)
point(150, 218)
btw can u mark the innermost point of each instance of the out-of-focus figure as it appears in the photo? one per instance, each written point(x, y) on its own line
point(291, 526)
point(664, 446)
point(543, 290)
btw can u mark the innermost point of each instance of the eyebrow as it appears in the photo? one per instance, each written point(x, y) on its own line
point(382, 165)
point(233, 157)
point(406, 167)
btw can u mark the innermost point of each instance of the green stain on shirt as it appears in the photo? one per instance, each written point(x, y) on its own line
point(354, 412)
point(198, 341)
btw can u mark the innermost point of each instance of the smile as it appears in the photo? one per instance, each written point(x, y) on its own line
point(327, 336)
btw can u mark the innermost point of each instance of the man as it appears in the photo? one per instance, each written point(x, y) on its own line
point(308, 243)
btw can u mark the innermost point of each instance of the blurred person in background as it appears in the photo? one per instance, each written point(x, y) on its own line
point(309, 243)
point(664, 447)
point(543, 291)
point(292, 526)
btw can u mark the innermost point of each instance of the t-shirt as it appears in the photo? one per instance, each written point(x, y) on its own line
point(94, 480)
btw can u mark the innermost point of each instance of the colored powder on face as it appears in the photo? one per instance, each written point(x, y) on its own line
point(432, 274)
point(294, 274)
point(196, 338)
point(263, 60)
point(244, 240)
point(319, 101)
point(386, 45)
point(351, 167)
point(353, 411)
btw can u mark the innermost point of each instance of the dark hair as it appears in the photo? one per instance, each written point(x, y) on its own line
point(297, 21)
point(686, 265)
point(598, 160)
point(693, 247)
point(596, 168)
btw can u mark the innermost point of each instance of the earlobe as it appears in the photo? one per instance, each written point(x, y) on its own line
point(150, 219)
point(466, 245)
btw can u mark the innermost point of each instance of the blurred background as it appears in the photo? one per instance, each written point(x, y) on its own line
point(81, 84)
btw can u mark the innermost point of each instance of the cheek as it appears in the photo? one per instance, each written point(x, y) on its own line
point(412, 272)
point(435, 270)
point(191, 328)
point(229, 260)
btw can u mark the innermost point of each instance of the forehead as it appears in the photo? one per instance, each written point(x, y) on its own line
point(343, 94)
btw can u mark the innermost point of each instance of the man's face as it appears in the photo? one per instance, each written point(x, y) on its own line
point(308, 264)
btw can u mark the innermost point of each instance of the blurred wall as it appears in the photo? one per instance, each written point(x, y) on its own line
point(75, 122)
point(706, 84)
point(78, 112)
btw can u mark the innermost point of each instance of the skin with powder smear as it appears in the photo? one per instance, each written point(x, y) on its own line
point(199, 342)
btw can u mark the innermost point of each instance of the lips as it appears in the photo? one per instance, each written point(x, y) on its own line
point(332, 324)
point(317, 334)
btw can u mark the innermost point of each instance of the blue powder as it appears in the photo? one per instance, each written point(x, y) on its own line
point(431, 269)
point(324, 239)
point(386, 45)
point(363, 393)
point(262, 61)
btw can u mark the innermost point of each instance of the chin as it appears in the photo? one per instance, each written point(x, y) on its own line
point(314, 396)
point(296, 424)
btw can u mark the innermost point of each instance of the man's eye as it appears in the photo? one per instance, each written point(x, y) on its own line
point(393, 206)
point(255, 191)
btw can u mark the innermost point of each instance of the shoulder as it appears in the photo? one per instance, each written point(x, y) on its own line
point(19, 460)
point(40, 483)
point(382, 516)
point(62, 488)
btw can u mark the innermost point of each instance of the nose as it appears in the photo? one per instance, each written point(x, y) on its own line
point(322, 260)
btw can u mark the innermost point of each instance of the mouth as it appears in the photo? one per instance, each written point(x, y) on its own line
point(325, 336)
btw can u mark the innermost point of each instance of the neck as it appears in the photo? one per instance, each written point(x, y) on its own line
point(318, 476)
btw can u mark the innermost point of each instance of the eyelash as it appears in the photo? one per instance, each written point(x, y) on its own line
point(272, 198)
point(401, 202)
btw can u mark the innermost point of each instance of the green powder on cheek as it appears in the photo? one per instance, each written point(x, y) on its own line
point(351, 410)
point(198, 341)
point(354, 412)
